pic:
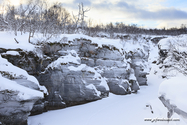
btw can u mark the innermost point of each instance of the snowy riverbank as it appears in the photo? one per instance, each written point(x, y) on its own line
point(118, 110)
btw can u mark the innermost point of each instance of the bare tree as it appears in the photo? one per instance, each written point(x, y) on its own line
point(79, 19)
point(83, 11)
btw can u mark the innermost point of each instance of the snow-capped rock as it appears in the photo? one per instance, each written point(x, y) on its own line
point(172, 63)
point(77, 68)
point(172, 56)
point(172, 93)
point(18, 93)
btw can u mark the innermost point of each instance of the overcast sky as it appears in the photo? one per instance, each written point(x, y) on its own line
point(147, 13)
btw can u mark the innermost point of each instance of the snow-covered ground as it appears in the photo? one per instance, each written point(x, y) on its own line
point(114, 110)
point(119, 110)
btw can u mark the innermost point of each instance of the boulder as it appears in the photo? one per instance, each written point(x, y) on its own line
point(16, 103)
point(119, 86)
point(18, 93)
point(72, 84)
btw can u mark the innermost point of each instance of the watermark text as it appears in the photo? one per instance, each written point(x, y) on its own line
point(161, 119)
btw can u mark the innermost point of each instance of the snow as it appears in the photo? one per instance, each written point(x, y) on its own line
point(79, 68)
point(7, 41)
point(114, 110)
point(16, 72)
point(118, 110)
point(164, 43)
point(128, 45)
point(132, 77)
point(174, 89)
point(24, 93)
point(13, 70)
point(70, 58)
point(104, 83)
point(175, 61)
point(15, 53)
point(178, 42)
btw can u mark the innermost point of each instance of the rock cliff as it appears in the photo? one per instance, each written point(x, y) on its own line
point(80, 69)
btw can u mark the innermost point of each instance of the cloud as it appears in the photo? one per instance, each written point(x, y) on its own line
point(85, 2)
point(161, 14)
point(170, 23)
point(62, 1)
point(170, 14)
point(142, 12)
point(132, 11)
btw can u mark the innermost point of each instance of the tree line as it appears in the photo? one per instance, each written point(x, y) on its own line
point(42, 17)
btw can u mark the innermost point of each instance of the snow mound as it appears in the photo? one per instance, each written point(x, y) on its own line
point(72, 57)
point(174, 89)
point(173, 54)
point(12, 72)
point(178, 43)
point(14, 53)
point(23, 92)
point(8, 41)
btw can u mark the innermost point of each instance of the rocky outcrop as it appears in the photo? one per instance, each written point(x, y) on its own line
point(18, 93)
point(155, 40)
point(97, 70)
point(172, 56)
point(13, 110)
point(80, 70)
point(69, 87)
point(172, 64)
point(139, 62)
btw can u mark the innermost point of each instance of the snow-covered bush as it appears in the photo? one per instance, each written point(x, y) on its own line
point(173, 55)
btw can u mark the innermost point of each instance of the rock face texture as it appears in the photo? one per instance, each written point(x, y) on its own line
point(13, 110)
point(85, 71)
point(80, 70)
point(140, 63)
point(18, 93)
point(172, 56)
